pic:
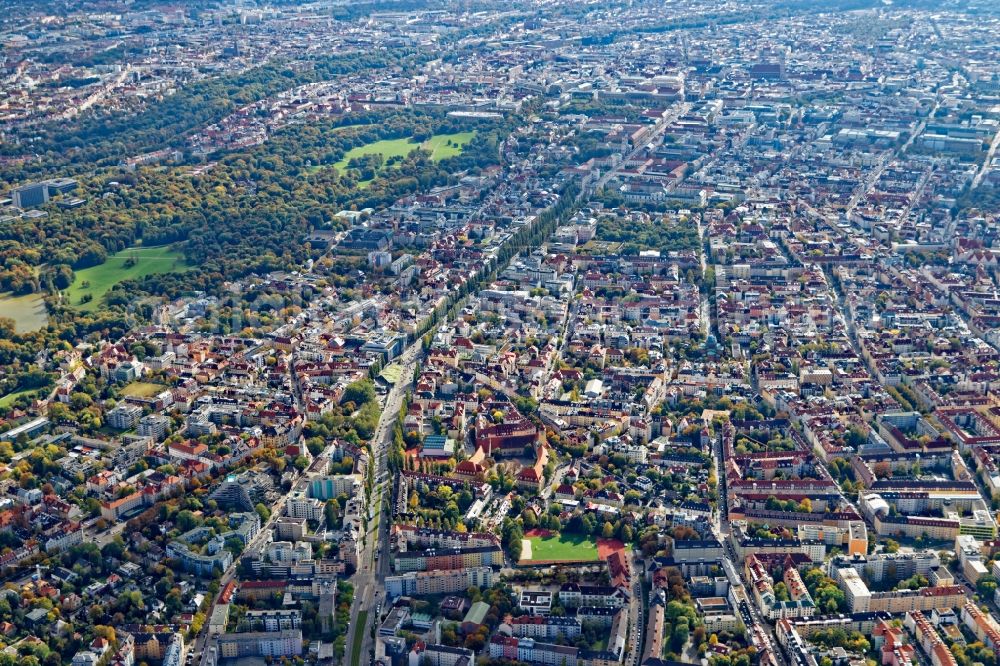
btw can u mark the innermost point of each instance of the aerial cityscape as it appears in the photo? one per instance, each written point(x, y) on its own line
point(478, 333)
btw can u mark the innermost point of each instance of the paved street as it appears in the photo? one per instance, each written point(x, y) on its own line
point(367, 580)
point(636, 613)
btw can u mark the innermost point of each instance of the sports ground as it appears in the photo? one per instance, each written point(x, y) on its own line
point(541, 547)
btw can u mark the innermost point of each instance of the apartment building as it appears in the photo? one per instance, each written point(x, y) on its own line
point(285, 643)
point(153, 646)
point(928, 639)
point(982, 625)
point(274, 620)
point(438, 582)
point(455, 558)
point(545, 627)
point(305, 507)
point(531, 651)
point(602, 615)
point(860, 599)
point(897, 566)
point(409, 535)
point(423, 654)
point(574, 595)
point(655, 620)
point(124, 416)
point(331, 487)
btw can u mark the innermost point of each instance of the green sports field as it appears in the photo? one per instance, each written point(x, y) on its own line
point(96, 281)
point(559, 548)
point(142, 389)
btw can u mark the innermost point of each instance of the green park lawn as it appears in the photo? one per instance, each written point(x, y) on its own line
point(96, 281)
point(8, 400)
point(28, 311)
point(567, 547)
point(441, 146)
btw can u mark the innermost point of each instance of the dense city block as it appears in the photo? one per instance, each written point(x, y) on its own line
point(536, 333)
